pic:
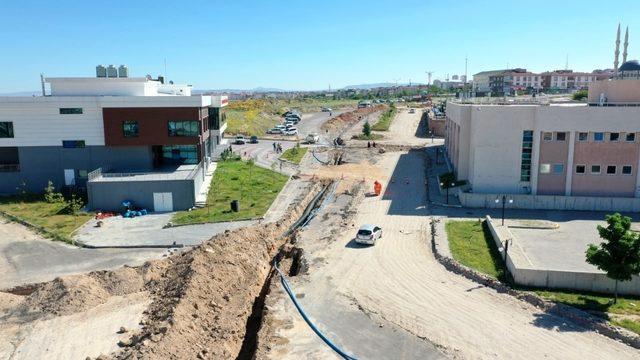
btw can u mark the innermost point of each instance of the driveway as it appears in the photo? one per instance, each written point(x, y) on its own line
point(26, 257)
point(149, 230)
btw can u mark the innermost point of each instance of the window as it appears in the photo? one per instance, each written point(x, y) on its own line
point(581, 169)
point(614, 136)
point(70, 111)
point(6, 129)
point(71, 144)
point(611, 169)
point(130, 128)
point(82, 174)
point(547, 136)
point(598, 136)
point(595, 169)
point(561, 136)
point(583, 136)
point(558, 168)
point(525, 156)
point(184, 128)
point(545, 168)
point(627, 170)
point(180, 154)
point(630, 137)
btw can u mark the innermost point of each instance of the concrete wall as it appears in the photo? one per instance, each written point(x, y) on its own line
point(39, 164)
point(551, 202)
point(615, 91)
point(101, 194)
point(524, 275)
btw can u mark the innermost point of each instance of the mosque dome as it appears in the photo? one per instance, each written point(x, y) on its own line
point(631, 65)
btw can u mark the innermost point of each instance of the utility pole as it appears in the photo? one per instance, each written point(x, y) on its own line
point(465, 69)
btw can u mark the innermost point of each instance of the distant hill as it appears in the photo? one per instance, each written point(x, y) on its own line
point(22, 93)
point(377, 85)
point(254, 90)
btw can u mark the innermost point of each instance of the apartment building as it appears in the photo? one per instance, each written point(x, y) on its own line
point(115, 137)
point(563, 80)
point(542, 148)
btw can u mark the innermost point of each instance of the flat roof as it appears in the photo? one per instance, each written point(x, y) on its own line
point(182, 172)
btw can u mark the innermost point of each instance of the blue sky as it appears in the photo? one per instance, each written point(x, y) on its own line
point(301, 44)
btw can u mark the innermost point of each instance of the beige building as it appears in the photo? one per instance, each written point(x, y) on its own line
point(543, 148)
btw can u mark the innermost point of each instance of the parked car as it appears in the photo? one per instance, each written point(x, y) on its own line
point(253, 140)
point(240, 140)
point(291, 131)
point(368, 234)
point(412, 111)
point(326, 109)
point(292, 119)
point(275, 130)
point(291, 113)
point(312, 138)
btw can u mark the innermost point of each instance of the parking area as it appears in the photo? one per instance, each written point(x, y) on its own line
point(150, 230)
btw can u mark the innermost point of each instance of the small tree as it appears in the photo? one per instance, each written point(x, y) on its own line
point(50, 194)
point(74, 204)
point(366, 129)
point(580, 94)
point(619, 254)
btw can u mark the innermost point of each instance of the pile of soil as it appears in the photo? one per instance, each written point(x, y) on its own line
point(203, 300)
point(338, 123)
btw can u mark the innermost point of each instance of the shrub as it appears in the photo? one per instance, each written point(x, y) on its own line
point(50, 194)
point(580, 95)
point(366, 129)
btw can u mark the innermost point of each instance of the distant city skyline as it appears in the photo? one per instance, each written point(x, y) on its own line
point(299, 45)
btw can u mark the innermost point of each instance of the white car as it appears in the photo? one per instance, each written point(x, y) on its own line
point(240, 140)
point(412, 111)
point(275, 131)
point(368, 234)
point(291, 131)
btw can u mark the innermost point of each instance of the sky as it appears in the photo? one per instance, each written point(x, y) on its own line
point(305, 45)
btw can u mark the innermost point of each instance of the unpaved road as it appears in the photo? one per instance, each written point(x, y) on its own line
point(399, 282)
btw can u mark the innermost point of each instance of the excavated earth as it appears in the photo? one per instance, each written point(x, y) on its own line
point(204, 303)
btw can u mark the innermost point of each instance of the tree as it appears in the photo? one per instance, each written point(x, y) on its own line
point(366, 129)
point(580, 94)
point(619, 254)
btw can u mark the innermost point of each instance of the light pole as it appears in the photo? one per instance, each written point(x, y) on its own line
point(504, 202)
point(447, 189)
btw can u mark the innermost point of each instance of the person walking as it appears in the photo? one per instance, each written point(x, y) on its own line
point(274, 146)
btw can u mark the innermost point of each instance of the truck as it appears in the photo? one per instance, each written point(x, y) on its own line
point(312, 138)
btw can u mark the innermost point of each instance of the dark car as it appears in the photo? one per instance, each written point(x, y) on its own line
point(253, 140)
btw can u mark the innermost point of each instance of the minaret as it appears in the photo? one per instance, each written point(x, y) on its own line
point(617, 53)
point(626, 44)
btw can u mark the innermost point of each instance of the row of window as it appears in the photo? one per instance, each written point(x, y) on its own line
point(130, 128)
point(595, 136)
point(582, 169)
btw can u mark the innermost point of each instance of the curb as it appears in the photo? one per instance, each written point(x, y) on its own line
point(36, 228)
point(575, 315)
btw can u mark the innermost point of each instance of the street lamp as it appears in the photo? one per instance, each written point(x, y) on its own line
point(504, 202)
point(447, 188)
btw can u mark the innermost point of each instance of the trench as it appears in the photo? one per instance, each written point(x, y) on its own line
point(288, 255)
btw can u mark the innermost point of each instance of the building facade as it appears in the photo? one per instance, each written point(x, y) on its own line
point(118, 125)
point(569, 149)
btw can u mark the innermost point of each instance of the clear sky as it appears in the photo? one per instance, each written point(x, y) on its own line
point(300, 44)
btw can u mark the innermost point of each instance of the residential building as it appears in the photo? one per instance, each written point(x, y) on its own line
point(567, 80)
point(118, 138)
point(533, 146)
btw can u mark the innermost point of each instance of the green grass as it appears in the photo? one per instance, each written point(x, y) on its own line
point(256, 116)
point(253, 186)
point(295, 154)
point(385, 120)
point(600, 303)
point(51, 217)
point(472, 245)
point(370, 137)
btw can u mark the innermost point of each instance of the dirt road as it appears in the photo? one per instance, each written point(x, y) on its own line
point(399, 282)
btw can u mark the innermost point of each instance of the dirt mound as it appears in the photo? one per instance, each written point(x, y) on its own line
point(203, 301)
point(338, 123)
point(71, 294)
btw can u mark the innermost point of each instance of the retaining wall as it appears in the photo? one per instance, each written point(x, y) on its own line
point(551, 202)
point(525, 275)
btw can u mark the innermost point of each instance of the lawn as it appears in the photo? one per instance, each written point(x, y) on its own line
point(385, 120)
point(253, 186)
point(370, 137)
point(625, 313)
point(256, 116)
point(51, 217)
point(294, 154)
point(471, 245)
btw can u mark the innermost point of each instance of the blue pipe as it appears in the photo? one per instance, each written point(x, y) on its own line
point(287, 288)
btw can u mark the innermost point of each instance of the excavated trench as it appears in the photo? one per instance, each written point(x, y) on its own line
point(291, 260)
